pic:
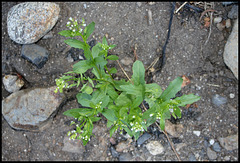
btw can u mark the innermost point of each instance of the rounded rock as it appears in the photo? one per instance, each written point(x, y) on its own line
point(12, 83)
point(29, 21)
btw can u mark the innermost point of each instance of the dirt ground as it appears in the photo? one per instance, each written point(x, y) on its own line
point(126, 24)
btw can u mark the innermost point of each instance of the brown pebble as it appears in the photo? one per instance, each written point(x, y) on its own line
point(112, 141)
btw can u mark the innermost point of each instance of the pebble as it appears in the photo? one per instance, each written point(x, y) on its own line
point(114, 152)
point(197, 133)
point(218, 100)
point(143, 138)
point(216, 147)
point(211, 142)
point(228, 23)
point(155, 147)
point(192, 157)
point(127, 61)
point(125, 157)
point(150, 20)
point(31, 109)
point(220, 26)
point(35, 54)
point(179, 146)
point(217, 20)
point(29, 21)
point(226, 158)
point(211, 154)
point(230, 142)
point(232, 95)
point(73, 146)
point(12, 83)
point(112, 141)
point(173, 129)
point(122, 146)
point(139, 4)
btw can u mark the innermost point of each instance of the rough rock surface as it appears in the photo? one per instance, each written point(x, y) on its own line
point(30, 109)
point(35, 54)
point(12, 83)
point(28, 22)
point(230, 54)
point(230, 142)
point(173, 129)
point(155, 148)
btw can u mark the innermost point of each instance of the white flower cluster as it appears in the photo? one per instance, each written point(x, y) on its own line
point(74, 26)
point(136, 126)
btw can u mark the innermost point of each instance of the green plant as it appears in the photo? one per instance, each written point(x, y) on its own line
point(117, 100)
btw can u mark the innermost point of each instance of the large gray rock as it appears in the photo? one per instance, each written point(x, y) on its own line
point(31, 109)
point(230, 142)
point(230, 54)
point(29, 21)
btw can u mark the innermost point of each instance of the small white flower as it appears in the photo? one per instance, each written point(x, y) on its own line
point(71, 18)
point(84, 25)
point(73, 30)
point(151, 115)
point(100, 102)
point(133, 116)
point(80, 30)
point(70, 28)
point(68, 23)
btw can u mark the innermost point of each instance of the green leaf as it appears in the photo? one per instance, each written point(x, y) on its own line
point(113, 70)
point(187, 99)
point(95, 119)
point(109, 114)
point(137, 101)
point(104, 40)
point(66, 33)
point(87, 90)
point(153, 88)
point(82, 66)
point(172, 89)
point(84, 99)
point(101, 61)
point(118, 83)
point(112, 130)
point(162, 123)
point(95, 51)
point(112, 46)
point(90, 81)
point(177, 111)
point(122, 100)
point(75, 43)
point(90, 28)
point(112, 57)
point(133, 89)
point(138, 73)
point(66, 77)
point(111, 92)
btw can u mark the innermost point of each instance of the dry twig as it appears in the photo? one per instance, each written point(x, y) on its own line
point(180, 7)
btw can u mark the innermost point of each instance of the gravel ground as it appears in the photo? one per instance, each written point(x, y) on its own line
point(126, 24)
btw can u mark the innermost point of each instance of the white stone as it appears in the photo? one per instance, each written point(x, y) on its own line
point(155, 148)
point(232, 95)
point(217, 20)
point(230, 54)
point(12, 83)
point(197, 133)
point(211, 141)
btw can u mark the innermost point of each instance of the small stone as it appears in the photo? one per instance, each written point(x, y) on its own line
point(114, 152)
point(12, 83)
point(121, 146)
point(143, 138)
point(228, 23)
point(155, 148)
point(29, 21)
point(232, 95)
point(217, 20)
point(112, 141)
point(35, 54)
point(125, 157)
point(192, 157)
point(191, 30)
point(197, 133)
point(73, 146)
point(151, 3)
point(211, 142)
point(48, 35)
point(173, 129)
point(179, 146)
point(230, 142)
point(226, 158)
point(216, 147)
point(218, 100)
point(139, 4)
point(127, 61)
point(220, 26)
point(150, 20)
point(211, 154)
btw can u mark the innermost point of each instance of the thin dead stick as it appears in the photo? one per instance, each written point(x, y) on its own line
point(155, 122)
point(213, 85)
point(180, 7)
point(124, 72)
point(204, 12)
point(210, 28)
